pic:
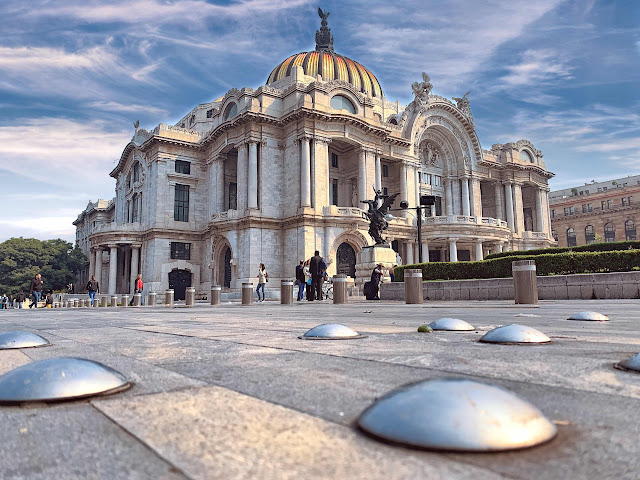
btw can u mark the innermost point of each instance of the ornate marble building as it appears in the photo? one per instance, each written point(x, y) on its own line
point(271, 174)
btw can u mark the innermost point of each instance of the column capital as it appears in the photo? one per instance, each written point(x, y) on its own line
point(322, 140)
point(112, 245)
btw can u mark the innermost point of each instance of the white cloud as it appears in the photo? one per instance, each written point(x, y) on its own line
point(121, 107)
point(537, 67)
point(30, 59)
point(41, 227)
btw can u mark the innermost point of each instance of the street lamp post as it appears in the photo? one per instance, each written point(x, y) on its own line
point(425, 201)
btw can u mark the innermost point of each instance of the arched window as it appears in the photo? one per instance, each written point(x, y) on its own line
point(609, 232)
point(230, 112)
point(393, 121)
point(630, 230)
point(571, 237)
point(136, 172)
point(590, 234)
point(525, 156)
point(339, 102)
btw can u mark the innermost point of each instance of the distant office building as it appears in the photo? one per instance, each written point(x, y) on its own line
point(595, 212)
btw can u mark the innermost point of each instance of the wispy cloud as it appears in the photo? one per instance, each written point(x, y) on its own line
point(535, 67)
point(110, 106)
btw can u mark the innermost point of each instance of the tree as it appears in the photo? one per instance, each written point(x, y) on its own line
point(22, 258)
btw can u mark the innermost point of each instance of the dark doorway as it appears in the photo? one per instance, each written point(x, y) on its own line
point(464, 255)
point(227, 268)
point(434, 255)
point(346, 260)
point(179, 280)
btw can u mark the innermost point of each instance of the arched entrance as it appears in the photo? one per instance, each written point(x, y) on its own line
point(179, 280)
point(227, 268)
point(346, 260)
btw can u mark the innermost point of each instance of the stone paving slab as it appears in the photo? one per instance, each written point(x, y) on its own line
point(231, 392)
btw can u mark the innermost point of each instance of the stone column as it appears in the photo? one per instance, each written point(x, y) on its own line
point(464, 182)
point(135, 259)
point(479, 252)
point(409, 249)
point(321, 196)
point(453, 251)
point(252, 176)
point(476, 197)
point(242, 177)
point(98, 266)
point(362, 178)
point(92, 267)
point(378, 173)
point(508, 195)
point(518, 210)
point(404, 194)
point(218, 166)
point(499, 196)
point(547, 212)
point(448, 197)
point(425, 252)
point(417, 184)
point(305, 173)
point(539, 213)
point(499, 247)
point(113, 268)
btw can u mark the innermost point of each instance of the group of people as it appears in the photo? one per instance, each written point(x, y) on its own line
point(310, 275)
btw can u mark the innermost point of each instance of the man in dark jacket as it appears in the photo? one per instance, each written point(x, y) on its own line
point(301, 280)
point(20, 298)
point(36, 290)
point(316, 269)
point(93, 287)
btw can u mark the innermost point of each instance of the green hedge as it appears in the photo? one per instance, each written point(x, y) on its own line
point(594, 247)
point(546, 264)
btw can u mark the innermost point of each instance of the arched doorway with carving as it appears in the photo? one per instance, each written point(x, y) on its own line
point(222, 262)
point(346, 260)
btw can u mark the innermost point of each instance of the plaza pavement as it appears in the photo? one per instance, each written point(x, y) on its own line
point(231, 392)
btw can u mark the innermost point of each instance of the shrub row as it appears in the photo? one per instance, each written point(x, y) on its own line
point(594, 247)
point(546, 264)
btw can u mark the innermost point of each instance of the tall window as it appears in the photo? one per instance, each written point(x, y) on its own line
point(134, 209)
point(334, 160)
point(571, 237)
point(630, 230)
point(609, 233)
point(590, 234)
point(603, 205)
point(553, 213)
point(334, 192)
point(183, 167)
point(589, 207)
point(385, 170)
point(181, 203)
point(180, 251)
point(136, 172)
point(584, 208)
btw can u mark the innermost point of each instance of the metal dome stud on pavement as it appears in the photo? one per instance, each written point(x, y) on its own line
point(56, 379)
point(331, 331)
point(9, 340)
point(456, 415)
point(632, 364)
point(589, 317)
point(515, 334)
point(451, 324)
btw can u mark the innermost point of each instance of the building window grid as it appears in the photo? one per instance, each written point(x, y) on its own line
point(385, 171)
point(571, 237)
point(181, 203)
point(180, 251)
point(609, 233)
point(334, 160)
point(590, 234)
point(334, 192)
point(630, 230)
point(183, 166)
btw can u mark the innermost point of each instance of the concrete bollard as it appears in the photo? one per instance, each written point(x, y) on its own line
point(340, 289)
point(124, 301)
point(190, 296)
point(104, 299)
point(87, 303)
point(137, 299)
point(168, 297)
point(525, 282)
point(151, 299)
point(216, 293)
point(95, 302)
point(75, 303)
point(64, 304)
point(114, 301)
point(247, 293)
point(286, 292)
point(412, 285)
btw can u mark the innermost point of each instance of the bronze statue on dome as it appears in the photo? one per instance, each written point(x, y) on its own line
point(324, 38)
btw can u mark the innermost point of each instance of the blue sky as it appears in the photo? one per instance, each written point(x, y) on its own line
point(75, 75)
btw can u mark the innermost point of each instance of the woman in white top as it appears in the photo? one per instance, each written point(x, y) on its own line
point(263, 277)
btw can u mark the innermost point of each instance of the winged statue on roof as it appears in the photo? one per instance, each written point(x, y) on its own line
point(375, 214)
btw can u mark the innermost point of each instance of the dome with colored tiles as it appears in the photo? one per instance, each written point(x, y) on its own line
point(330, 65)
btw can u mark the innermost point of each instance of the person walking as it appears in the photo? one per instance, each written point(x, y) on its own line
point(20, 298)
point(263, 277)
point(317, 266)
point(93, 287)
point(138, 287)
point(36, 290)
point(376, 279)
point(300, 278)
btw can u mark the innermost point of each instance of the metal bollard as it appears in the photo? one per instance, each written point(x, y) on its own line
point(413, 285)
point(114, 300)
point(137, 299)
point(190, 296)
point(286, 292)
point(216, 292)
point(104, 300)
point(525, 282)
point(340, 289)
point(168, 297)
point(124, 301)
point(247, 293)
point(151, 299)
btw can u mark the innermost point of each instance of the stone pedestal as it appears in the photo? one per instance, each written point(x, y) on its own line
point(368, 258)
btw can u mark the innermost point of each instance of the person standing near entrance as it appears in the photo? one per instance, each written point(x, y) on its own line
point(36, 290)
point(263, 277)
point(317, 266)
point(137, 288)
point(300, 278)
point(92, 288)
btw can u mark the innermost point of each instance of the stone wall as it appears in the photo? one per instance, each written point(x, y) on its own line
point(556, 287)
